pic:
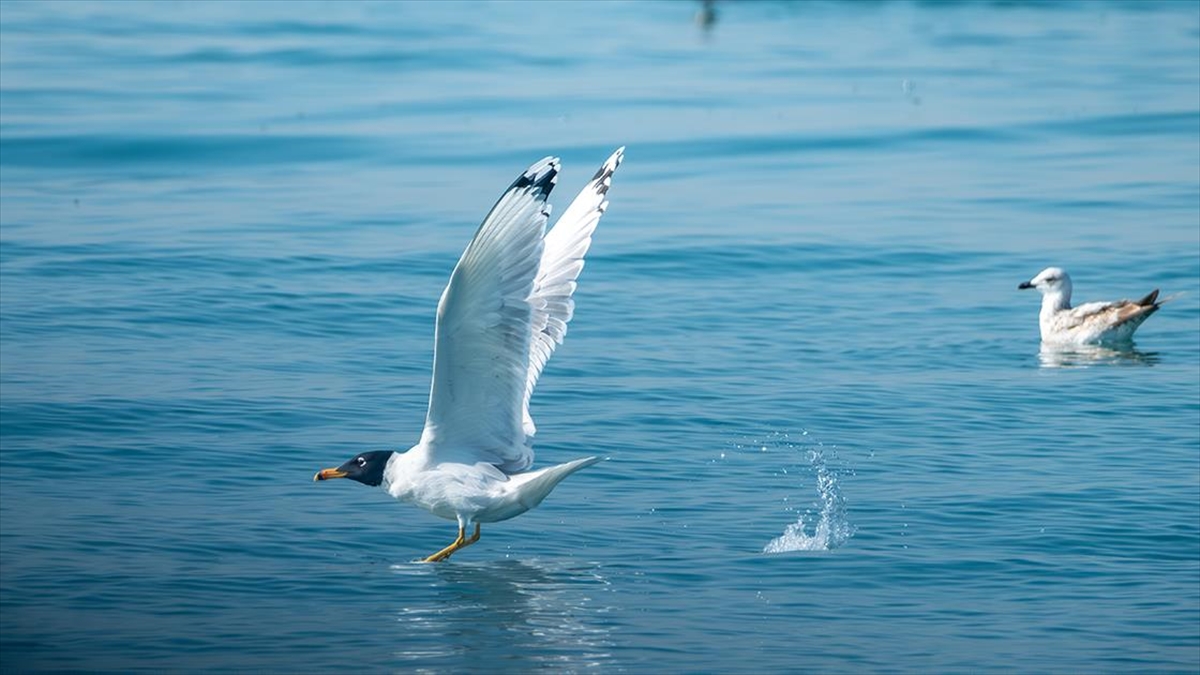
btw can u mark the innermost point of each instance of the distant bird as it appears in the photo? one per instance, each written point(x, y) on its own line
point(504, 311)
point(706, 16)
point(1093, 323)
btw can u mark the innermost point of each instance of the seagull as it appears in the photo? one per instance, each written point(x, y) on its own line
point(1089, 324)
point(500, 318)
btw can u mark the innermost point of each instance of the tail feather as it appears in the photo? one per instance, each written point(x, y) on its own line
point(541, 483)
point(527, 490)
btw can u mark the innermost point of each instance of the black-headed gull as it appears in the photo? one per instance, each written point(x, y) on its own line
point(1092, 323)
point(504, 311)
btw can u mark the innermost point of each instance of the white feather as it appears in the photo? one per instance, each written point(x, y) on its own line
point(504, 311)
point(562, 260)
point(482, 337)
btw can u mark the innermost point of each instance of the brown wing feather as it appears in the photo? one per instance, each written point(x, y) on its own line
point(1139, 310)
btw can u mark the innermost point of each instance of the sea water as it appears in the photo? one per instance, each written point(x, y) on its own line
point(833, 443)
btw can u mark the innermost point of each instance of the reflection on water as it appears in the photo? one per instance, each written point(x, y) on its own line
point(1084, 356)
point(506, 615)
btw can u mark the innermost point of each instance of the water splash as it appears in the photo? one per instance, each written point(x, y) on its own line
point(823, 527)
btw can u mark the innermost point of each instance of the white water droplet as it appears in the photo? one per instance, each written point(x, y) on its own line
point(830, 529)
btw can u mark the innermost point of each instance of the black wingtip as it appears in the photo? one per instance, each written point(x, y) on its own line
point(603, 177)
point(539, 178)
point(1150, 299)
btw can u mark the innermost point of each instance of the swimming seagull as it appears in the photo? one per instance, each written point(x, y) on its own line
point(1093, 323)
point(504, 311)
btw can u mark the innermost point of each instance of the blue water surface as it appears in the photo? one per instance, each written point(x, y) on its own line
point(834, 443)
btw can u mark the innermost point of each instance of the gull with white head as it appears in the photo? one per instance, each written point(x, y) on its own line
point(1091, 323)
point(504, 311)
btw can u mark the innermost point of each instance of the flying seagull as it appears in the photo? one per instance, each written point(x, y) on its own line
point(503, 312)
point(1092, 323)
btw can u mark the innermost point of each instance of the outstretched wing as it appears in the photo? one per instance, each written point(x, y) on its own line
point(483, 334)
point(562, 260)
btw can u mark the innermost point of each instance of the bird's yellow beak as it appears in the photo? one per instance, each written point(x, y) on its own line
point(326, 474)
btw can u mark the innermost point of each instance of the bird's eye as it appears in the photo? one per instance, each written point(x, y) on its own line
point(362, 461)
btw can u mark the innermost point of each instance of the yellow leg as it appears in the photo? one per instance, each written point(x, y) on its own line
point(461, 542)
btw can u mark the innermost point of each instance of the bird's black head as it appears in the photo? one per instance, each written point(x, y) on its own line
point(366, 468)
